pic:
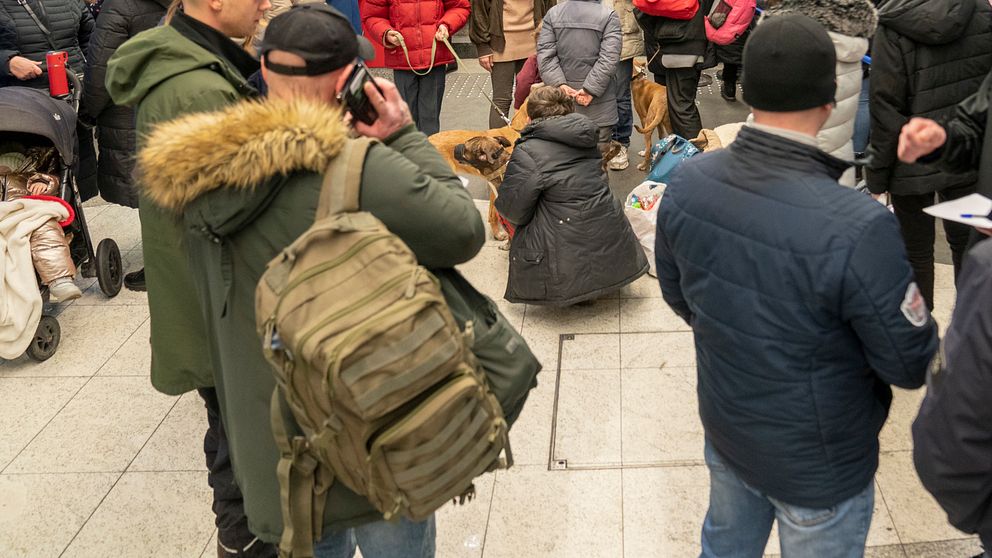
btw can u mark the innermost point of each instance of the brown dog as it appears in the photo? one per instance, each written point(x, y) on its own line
point(478, 156)
point(488, 156)
point(446, 141)
point(651, 103)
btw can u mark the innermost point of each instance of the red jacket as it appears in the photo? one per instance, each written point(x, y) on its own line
point(417, 21)
point(526, 79)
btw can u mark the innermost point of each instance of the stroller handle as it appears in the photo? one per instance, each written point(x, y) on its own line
point(76, 92)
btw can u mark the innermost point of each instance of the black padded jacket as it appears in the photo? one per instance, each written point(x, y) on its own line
point(928, 56)
point(119, 21)
point(952, 436)
point(69, 23)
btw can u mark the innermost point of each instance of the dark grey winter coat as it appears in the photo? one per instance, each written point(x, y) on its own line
point(952, 435)
point(69, 22)
point(579, 45)
point(928, 56)
point(119, 21)
point(572, 241)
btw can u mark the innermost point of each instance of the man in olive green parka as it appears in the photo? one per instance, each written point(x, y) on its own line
point(244, 183)
point(188, 65)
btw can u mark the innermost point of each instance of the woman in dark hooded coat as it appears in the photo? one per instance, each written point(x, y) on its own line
point(572, 242)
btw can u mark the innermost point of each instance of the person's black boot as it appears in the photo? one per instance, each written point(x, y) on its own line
point(729, 91)
point(135, 281)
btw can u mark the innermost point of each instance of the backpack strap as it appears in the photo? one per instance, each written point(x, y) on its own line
point(303, 487)
point(342, 184)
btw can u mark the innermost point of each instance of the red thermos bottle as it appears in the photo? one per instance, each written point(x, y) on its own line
point(58, 83)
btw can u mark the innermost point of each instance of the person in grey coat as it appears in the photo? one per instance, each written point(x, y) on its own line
point(578, 50)
point(572, 241)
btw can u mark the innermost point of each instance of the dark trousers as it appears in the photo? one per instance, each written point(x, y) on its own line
point(625, 114)
point(681, 84)
point(232, 525)
point(730, 73)
point(423, 94)
point(87, 169)
point(503, 76)
point(919, 235)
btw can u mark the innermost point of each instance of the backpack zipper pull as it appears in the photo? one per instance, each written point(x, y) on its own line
point(411, 288)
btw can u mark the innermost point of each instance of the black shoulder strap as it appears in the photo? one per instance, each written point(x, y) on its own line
point(48, 34)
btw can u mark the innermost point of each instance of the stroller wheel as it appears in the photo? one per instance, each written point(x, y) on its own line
point(46, 339)
point(109, 269)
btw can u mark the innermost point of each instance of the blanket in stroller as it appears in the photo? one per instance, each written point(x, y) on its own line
point(20, 298)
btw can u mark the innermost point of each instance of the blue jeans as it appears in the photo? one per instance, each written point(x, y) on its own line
point(423, 94)
point(862, 121)
point(382, 539)
point(740, 519)
point(625, 124)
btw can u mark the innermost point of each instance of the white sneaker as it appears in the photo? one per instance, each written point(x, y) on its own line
point(64, 289)
point(620, 162)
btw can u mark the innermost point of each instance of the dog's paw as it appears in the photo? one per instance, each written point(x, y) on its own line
point(643, 166)
point(505, 246)
point(501, 235)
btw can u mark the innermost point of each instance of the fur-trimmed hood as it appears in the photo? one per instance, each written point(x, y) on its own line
point(854, 18)
point(239, 147)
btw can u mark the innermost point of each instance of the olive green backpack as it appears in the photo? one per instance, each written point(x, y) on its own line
point(373, 367)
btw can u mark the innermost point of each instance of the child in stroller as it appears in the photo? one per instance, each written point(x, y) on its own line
point(19, 177)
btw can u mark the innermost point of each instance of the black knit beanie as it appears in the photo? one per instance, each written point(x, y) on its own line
point(789, 65)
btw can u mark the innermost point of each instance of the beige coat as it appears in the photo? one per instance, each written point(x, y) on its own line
point(20, 299)
point(633, 37)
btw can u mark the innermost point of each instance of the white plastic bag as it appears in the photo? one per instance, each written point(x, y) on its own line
point(644, 221)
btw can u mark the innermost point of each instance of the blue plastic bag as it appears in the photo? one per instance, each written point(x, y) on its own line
point(666, 154)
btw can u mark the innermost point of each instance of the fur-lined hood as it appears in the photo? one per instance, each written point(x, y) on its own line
point(854, 18)
point(238, 147)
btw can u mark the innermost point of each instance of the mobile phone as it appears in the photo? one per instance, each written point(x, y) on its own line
point(353, 95)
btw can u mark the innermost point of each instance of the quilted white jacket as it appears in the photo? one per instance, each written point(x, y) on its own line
point(836, 136)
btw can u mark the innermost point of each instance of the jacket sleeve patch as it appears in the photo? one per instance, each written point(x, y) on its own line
point(914, 307)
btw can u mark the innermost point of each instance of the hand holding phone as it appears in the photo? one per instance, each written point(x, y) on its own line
point(393, 112)
point(353, 96)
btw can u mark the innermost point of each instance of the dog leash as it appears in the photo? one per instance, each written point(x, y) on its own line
point(489, 181)
point(458, 61)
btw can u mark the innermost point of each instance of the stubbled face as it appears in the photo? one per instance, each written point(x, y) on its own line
point(484, 153)
point(239, 18)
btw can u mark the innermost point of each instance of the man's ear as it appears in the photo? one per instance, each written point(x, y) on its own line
point(503, 141)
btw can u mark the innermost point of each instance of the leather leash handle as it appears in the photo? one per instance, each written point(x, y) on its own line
point(458, 61)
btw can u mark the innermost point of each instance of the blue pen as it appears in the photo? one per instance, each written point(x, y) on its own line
point(972, 216)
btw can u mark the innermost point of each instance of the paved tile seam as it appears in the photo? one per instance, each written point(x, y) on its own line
point(125, 342)
point(207, 544)
point(119, 477)
point(48, 422)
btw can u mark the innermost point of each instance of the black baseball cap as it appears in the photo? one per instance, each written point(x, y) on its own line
point(319, 34)
point(789, 65)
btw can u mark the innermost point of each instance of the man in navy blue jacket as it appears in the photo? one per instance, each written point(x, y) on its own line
point(803, 307)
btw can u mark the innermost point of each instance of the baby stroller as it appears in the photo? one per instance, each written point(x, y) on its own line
point(31, 116)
